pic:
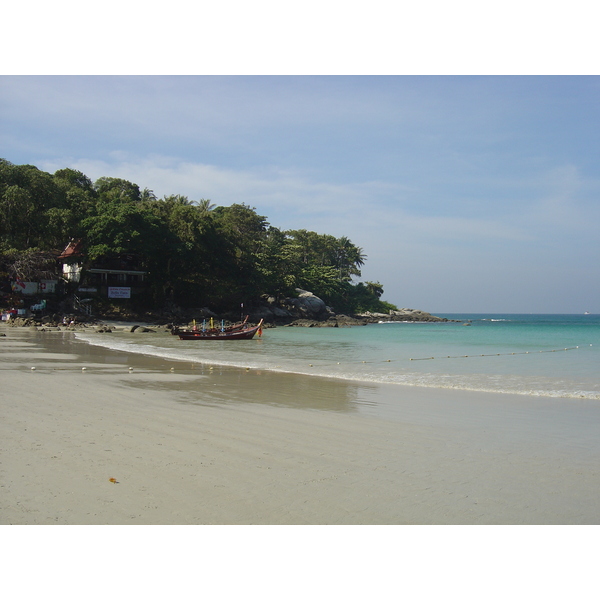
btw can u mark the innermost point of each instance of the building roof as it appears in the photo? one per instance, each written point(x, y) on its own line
point(72, 250)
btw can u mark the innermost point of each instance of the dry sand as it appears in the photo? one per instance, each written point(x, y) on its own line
point(109, 445)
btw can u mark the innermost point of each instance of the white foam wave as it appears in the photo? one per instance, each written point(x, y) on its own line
point(356, 373)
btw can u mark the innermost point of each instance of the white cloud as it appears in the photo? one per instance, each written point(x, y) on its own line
point(293, 194)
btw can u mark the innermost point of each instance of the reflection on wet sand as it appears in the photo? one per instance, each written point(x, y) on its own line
point(194, 383)
point(218, 385)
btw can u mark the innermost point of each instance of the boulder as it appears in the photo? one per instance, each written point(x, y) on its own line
point(141, 329)
point(307, 306)
point(270, 314)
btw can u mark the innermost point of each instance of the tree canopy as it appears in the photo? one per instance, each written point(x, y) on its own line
point(194, 251)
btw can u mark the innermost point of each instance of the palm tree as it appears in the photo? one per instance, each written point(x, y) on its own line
point(147, 195)
point(205, 206)
point(349, 258)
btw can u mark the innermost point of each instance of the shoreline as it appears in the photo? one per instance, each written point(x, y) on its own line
point(229, 446)
point(366, 378)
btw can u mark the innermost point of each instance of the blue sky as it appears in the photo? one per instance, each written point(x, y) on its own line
point(466, 193)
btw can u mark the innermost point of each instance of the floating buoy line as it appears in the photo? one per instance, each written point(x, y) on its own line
point(499, 353)
point(466, 356)
point(364, 362)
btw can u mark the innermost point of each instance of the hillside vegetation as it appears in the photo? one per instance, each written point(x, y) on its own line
point(193, 252)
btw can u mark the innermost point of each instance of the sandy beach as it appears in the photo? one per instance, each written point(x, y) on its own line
point(92, 436)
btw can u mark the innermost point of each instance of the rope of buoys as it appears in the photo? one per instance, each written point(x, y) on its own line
point(364, 362)
point(466, 355)
point(499, 354)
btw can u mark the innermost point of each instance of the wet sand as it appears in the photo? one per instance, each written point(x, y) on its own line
point(93, 436)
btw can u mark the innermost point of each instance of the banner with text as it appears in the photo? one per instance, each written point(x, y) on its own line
point(119, 292)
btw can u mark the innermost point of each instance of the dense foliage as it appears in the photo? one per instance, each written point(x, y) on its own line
point(193, 252)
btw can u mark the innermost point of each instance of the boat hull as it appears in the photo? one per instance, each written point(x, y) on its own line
point(241, 334)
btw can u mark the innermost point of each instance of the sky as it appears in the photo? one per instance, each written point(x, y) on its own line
point(467, 192)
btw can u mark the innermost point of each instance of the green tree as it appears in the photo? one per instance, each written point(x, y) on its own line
point(118, 228)
point(26, 194)
point(242, 233)
point(374, 288)
point(113, 189)
point(348, 259)
point(205, 206)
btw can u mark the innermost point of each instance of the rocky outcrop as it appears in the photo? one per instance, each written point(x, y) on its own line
point(308, 310)
point(404, 315)
point(304, 310)
point(333, 321)
point(307, 306)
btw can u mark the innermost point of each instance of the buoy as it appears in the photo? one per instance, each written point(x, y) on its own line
point(84, 368)
point(131, 368)
point(310, 365)
point(33, 368)
point(172, 369)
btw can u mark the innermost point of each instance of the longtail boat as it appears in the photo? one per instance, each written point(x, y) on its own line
point(211, 327)
point(244, 333)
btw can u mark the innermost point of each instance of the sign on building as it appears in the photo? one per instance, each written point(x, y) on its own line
point(25, 287)
point(119, 292)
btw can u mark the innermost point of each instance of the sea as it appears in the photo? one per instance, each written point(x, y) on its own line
point(532, 354)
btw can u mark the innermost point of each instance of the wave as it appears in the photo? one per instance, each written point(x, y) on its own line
point(354, 372)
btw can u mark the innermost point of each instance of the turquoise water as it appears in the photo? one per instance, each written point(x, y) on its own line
point(542, 355)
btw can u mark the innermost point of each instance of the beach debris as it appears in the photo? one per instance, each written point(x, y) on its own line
point(33, 368)
point(131, 368)
point(113, 480)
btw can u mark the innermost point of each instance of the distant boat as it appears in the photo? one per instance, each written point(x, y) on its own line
point(586, 313)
